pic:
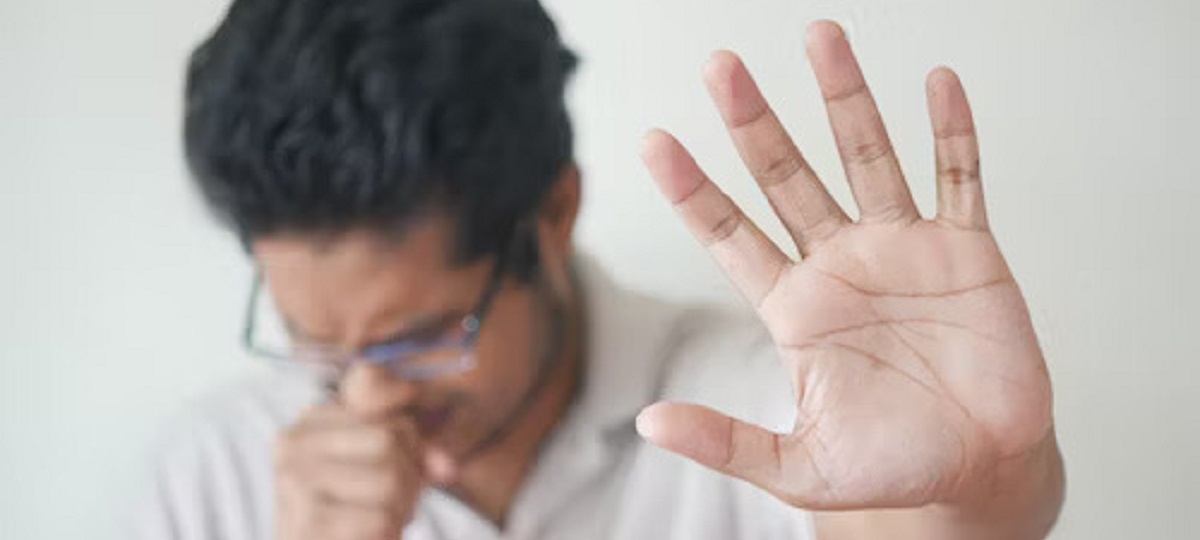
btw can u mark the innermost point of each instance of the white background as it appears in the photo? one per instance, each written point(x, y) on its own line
point(121, 299)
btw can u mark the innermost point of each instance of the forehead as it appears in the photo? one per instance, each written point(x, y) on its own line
point(354, 255)
point(362, 282)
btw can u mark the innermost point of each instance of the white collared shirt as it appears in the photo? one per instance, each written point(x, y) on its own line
point(594, 478)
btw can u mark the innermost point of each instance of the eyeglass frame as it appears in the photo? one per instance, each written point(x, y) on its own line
point(389, 355)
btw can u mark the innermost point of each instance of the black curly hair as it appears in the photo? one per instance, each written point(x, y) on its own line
point(318, 116)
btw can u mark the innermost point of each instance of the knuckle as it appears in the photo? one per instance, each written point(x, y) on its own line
point(866, 152)
point(361, 526)
point(779, 168)
point(857, 92)
point(389, 488)
point(958, 175)
point(290, 446)
point(380, 441)
point(723, 228)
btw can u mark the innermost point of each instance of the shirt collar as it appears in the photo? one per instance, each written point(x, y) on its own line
point(628, 341)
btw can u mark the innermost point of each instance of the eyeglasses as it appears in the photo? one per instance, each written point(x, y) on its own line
point(449, 352)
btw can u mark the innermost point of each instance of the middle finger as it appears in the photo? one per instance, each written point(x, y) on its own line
point(871, 166)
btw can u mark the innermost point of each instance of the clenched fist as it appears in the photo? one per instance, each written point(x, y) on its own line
point(342, 475)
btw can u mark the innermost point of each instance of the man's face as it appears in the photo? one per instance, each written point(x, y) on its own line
point(363, 288)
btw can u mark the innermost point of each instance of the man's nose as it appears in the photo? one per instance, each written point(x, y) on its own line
point(371, 391)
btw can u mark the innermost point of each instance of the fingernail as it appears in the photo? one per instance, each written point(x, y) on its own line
point(645, 427)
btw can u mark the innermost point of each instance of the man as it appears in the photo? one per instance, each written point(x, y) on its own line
point(401, 173)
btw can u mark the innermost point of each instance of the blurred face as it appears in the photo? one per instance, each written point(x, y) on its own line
point(362, 288)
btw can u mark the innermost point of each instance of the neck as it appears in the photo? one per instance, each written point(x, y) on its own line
point(490, 482)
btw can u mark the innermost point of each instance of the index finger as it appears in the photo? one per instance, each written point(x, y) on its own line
point(751, 260)
point(798, 197)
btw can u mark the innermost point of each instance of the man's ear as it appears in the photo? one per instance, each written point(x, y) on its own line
point(558, 212)
point(555, 224)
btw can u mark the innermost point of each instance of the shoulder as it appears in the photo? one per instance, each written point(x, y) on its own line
point(723, 357)
point(211, 474)
point(247, 411)
point(644, 348)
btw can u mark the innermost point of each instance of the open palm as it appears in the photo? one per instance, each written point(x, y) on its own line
point(917, 371)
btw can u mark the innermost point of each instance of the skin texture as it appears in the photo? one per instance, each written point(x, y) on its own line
point(919, 378)
point(352, 467)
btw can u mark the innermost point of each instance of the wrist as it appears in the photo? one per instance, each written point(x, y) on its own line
point(1019, 500)
point(1021, 497)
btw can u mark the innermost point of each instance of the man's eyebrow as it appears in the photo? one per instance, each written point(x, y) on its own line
point(421, 325)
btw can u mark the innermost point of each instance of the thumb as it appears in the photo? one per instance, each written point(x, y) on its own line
point(440, 467)
point(729, 446)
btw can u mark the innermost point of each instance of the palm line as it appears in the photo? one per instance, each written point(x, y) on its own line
point(962, 444)
point(890, 322)
point(887, 294)
point(873, 358)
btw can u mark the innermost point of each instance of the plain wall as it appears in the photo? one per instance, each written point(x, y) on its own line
point(121, 299)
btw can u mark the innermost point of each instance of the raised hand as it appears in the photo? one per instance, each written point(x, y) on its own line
point(918, 374)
